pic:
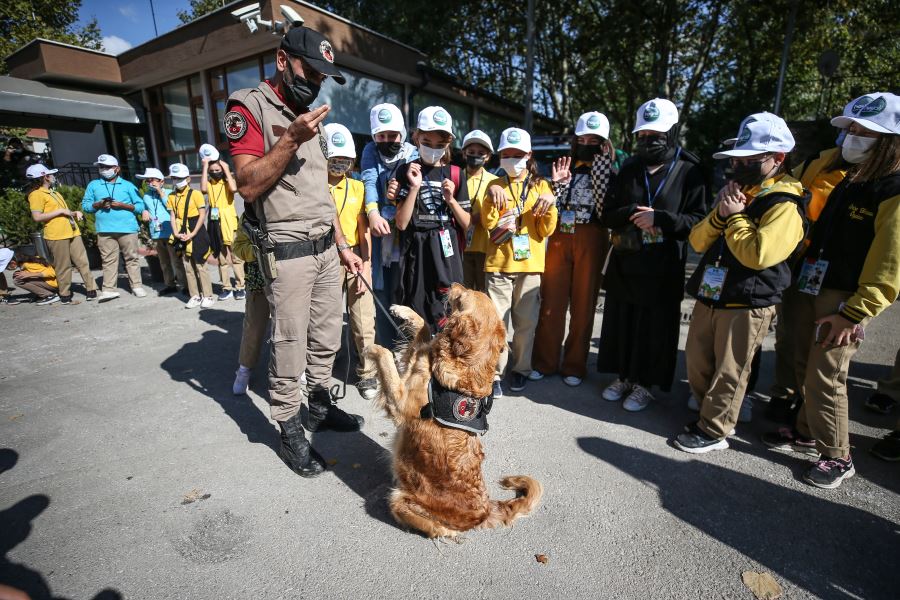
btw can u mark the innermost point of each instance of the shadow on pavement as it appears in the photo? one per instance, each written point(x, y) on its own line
point(800, 537)
point(15, 527)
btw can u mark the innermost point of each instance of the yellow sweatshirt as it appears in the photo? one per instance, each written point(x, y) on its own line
point(819, 182)
point(477, 187)
point(499, 259)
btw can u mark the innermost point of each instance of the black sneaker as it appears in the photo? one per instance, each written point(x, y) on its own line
point(829, 473)
point(517, 382)
point(9, 300)
point(66, 299)
point(783, 410)
point(169, 289)
point(240, 294)
point(888, 448)
point(90, 295)
point(697, 442)
point(789, 439)
point(881, 403)
point(497, 390)
point(324, 414)
point(48, 300)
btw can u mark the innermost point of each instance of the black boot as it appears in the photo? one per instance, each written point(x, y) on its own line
point(324, 414)
point(296, 451)
point(784, 410)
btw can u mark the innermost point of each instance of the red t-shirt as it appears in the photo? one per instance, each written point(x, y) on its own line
point(244, 134)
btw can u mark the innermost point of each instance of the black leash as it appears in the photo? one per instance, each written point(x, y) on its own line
point(384, 310)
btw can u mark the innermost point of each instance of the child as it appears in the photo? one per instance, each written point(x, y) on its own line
point(432, 216)
point(35, 275)
point(156, 216)
point(256, 313)
point(746, 241)
point(217, 182)
point(477, 150)
point(188, 213)
point(350, 199)
point(520, 217)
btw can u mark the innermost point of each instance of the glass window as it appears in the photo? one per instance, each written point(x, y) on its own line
point(242, 75)
point(220, 120)
point(461, 113)
point(269, 65)
point(177, 116)
point(493, 125)
point(217, 80)
point(350, 103)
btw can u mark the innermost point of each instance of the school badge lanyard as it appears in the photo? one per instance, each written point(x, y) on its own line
point(523, 198)
point(110, 194)
point(215, 204)
point(346, 191)
point(652, 199)
point(61, 202)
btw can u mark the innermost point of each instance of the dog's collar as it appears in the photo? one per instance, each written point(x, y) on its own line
point(456, 410)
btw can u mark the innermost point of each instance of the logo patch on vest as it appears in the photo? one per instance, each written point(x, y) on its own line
point(384, 116)
point(873, 108)
point(326, 51)
point(235, 125)
point(651, 113)
point(465, 409)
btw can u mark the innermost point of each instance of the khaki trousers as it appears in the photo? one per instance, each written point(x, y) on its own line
point(39, 288)
point(67, 253)
point(719, 349)
point(473, 271)
point(785, 384)
point(305, 299)
point(361, 314)
point(891, 385)
point(197, 276)
point(172, 267)
point(571, 283)
point(230, 259)
point(256, 326)
point(110, 244)
point(517, 298)
point(822, 373)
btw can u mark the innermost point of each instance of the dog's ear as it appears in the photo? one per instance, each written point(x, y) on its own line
point(463, 332)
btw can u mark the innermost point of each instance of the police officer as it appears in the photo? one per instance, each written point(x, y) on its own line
point(279, 156)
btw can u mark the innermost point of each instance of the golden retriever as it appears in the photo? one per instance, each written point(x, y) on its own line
point(440, 489)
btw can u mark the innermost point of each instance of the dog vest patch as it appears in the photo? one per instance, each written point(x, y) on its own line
point(456, 410)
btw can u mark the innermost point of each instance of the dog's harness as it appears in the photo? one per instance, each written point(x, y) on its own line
point(456, 410)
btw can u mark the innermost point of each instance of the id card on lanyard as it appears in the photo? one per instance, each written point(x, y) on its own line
point(713, 280)
point(520, 241)
point(646, 236)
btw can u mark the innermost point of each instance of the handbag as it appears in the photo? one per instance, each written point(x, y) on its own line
point(627, 239)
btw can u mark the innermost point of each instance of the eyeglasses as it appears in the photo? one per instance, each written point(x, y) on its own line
point(748, 160)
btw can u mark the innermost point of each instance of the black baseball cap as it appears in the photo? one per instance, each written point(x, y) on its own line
point(314, 48)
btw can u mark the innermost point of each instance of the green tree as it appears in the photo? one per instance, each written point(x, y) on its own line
point(198, 9)
point(24, 20)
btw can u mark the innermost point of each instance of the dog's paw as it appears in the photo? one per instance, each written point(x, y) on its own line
point(407, 315)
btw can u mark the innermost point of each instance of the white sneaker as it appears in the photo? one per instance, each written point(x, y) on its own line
point(241, 381)
point(638, 399)
point(139, 292)
point(193, 302)
point(572, 381)
point(746, 413)
point(535, 376)
point(693, 403)
point(616, 390)
point(208, 302)
point(107, 296)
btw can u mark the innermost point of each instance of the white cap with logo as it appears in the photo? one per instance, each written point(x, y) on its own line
point(339, 141)
point(593, 123)
point(209, 152)
point(150, 173)
point(760, 133)
point(106, 160)
point(435, 118)
point(879, 112)
point(387, 117)
point(514, 137)
point(658, 114)
point(178, 171)
point(37, 171)
point(477, 136)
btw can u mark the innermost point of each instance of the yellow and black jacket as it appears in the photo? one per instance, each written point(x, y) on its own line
point(858, 234)
point(819, 182)
point(753, 245)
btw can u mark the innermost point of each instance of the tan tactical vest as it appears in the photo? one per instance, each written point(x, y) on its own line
point(298, 207)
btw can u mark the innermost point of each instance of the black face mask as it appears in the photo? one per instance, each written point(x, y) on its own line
point(748, 174)
point(389, 149)
point(299, 92)
point(653, 150)
point(587, 153)
point(475, 162)
point(216, 176)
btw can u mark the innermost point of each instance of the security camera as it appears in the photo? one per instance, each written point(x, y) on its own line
point(248, 15)
point(291, 18)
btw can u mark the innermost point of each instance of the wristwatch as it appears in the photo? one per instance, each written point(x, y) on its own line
point(343, 246)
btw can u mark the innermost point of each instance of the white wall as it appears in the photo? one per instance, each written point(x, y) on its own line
point(68, 146)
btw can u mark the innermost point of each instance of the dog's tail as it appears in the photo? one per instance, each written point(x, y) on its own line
point(528, 496)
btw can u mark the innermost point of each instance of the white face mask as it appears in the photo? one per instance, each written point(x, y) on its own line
point(430, 156)
point(107, 173)
point(181, 183)
point(514, 166)
point(856, 148)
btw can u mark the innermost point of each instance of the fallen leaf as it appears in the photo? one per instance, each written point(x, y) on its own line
point(763, 585)
point(542, 558)
point(331, 461)
point(18, 416)
point(193, 496)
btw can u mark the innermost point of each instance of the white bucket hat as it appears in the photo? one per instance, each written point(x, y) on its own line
point(387, 117)
point(150, 173)
point(339, 141)
point(37, 171)
point(658, 114)
point(760, 133)
point(209, 152)
point(435, 118)
point(178, 171)
point(877, 112)
point(477, 136)
point(593, 123)
point(513, 137)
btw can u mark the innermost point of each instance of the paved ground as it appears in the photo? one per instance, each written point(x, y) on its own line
point(112, 415)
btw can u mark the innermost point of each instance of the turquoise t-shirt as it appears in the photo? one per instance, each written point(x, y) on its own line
point(113, 220)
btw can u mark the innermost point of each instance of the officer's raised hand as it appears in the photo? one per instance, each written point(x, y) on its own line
point(306, 126)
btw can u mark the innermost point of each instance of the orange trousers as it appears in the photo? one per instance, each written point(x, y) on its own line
point(571, 282)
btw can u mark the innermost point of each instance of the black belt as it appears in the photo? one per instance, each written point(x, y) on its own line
point(289, 250)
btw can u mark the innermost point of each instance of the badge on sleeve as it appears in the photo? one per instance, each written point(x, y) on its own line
point(235, 125)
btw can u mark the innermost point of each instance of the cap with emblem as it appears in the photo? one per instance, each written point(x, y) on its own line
point(150, 173)
point(387, 117)
point(435, 118)
point(876, 112)
point(37, 171)
point(477, 136)
point(592, 123)
point(514, 137)
point(209, 152)
point(339, 141)
point(178, 171)
point(106, 160)
point(760, 133)
point(658, 114)
point(314, 48)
